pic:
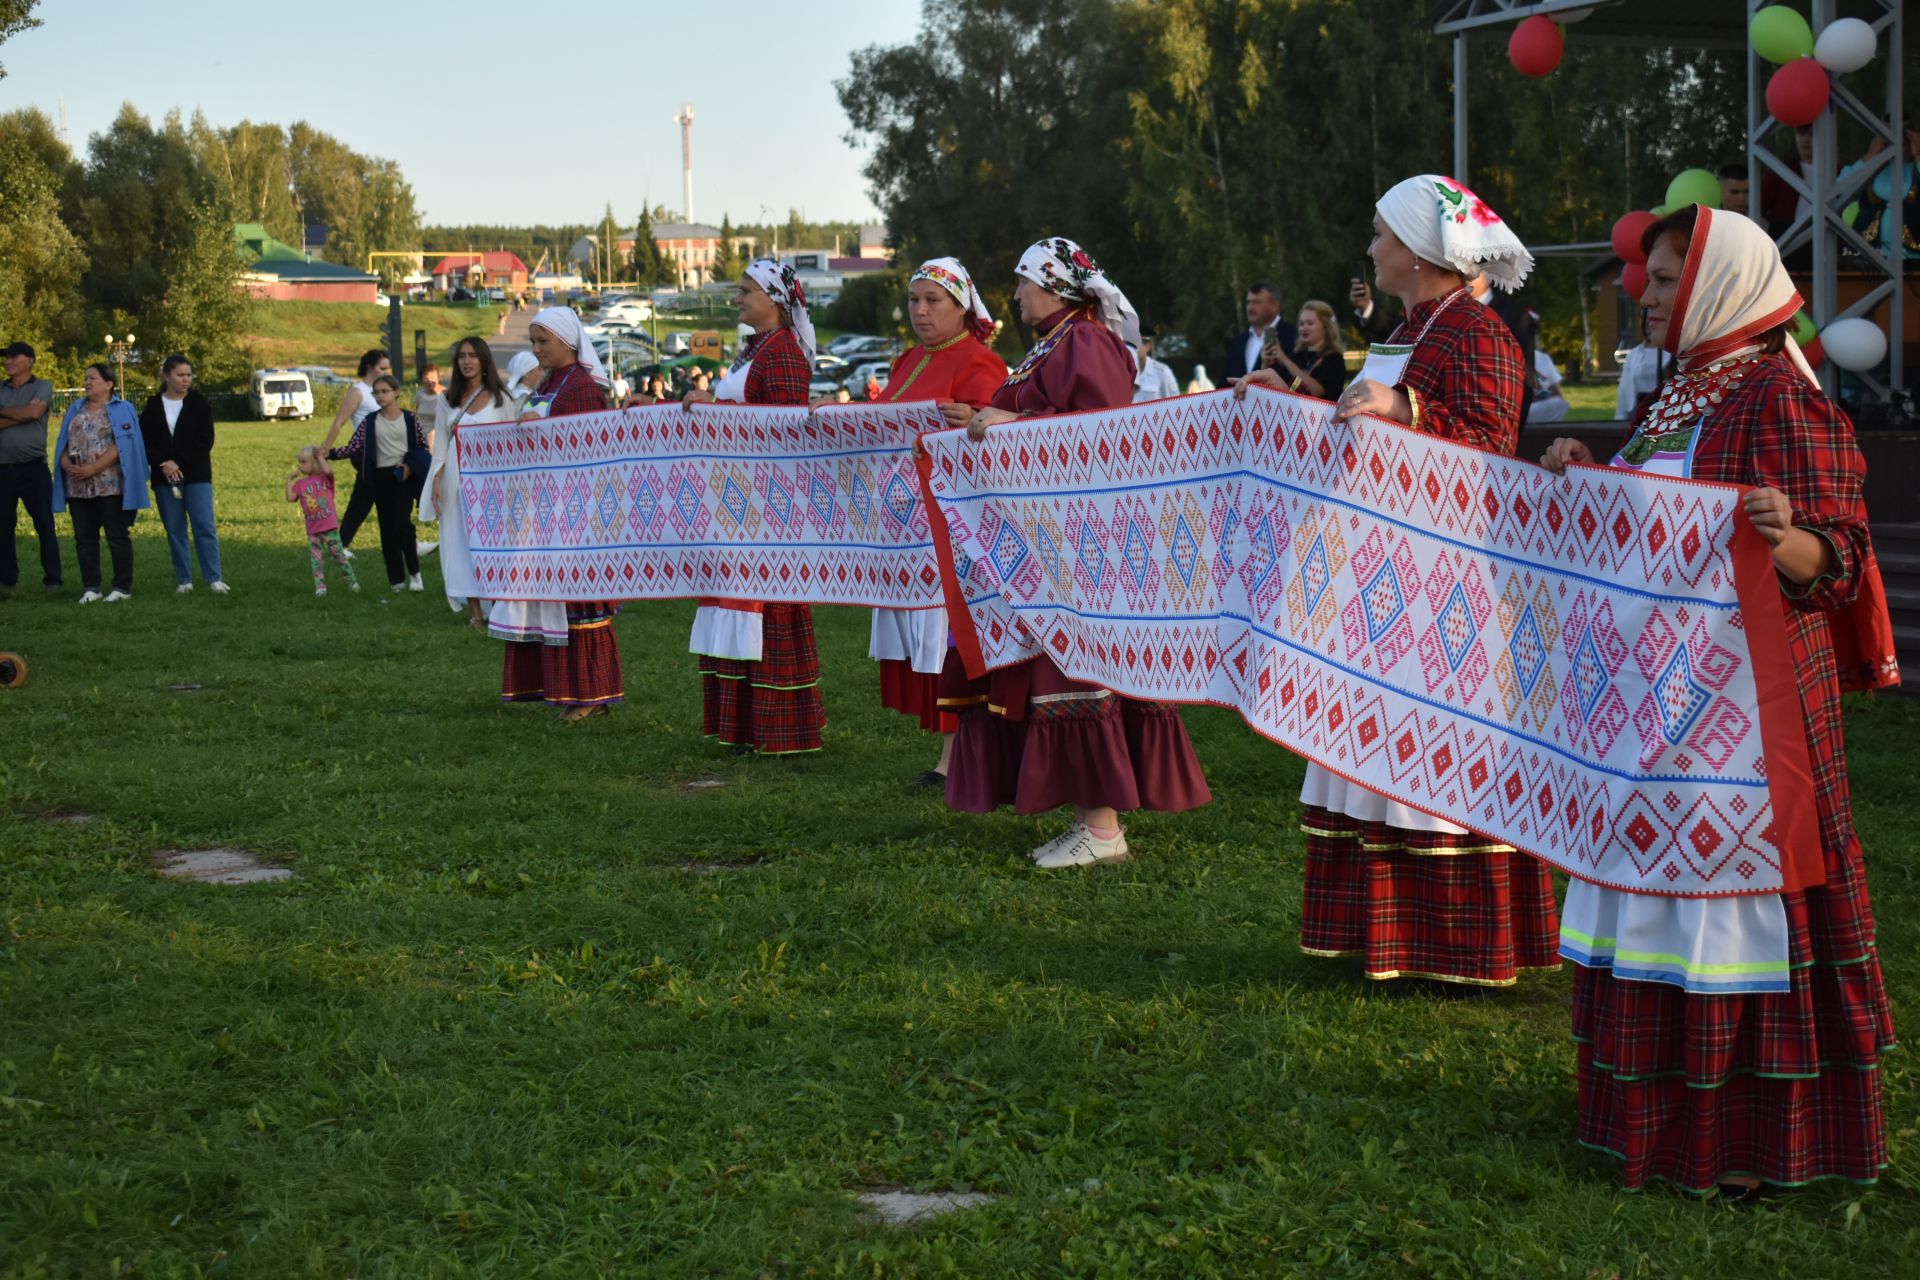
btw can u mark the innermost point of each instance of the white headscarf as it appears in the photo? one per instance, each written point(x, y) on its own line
point(1444, 222)
point(783, 286)
point(1062, 267)
point(951, 276)
point(522, 364)
point(1733, 288)
point(564, 324)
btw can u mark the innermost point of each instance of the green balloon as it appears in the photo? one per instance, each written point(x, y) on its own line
point(1694, 186)
point(1851, 212)
point(1780, 34)
point(1803, 330)
point(1661, 210)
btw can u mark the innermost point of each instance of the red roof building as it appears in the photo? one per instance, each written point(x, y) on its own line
point(492, 270)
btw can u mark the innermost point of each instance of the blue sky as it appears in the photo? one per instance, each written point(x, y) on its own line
point(429, 85)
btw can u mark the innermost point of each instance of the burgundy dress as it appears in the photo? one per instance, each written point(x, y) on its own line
point(1694, 1088)
point(1424, 903)
point(1027, 735)
point(585, 671)
point(772, 706)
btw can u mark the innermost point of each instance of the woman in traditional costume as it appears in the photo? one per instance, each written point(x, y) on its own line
point(1029, 736)
point(952, 365)
point(1413, 895)
point(759, 667)
point(563, 654)
point(1726, 1042)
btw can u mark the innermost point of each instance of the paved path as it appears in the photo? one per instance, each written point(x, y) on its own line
point(505, 345)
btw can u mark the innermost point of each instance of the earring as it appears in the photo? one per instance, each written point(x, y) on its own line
point(1416, 266)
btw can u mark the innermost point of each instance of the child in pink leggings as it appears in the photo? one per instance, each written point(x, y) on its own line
point(312, 487)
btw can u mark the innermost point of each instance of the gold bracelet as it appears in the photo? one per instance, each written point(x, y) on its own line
point(1413, 402)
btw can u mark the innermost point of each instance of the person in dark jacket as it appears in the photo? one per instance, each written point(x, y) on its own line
point(390, 451)
point(177, 428)
point(1266, 333)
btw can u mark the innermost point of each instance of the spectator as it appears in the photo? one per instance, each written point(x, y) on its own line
point(1155, 381)
point(390, 452)
point(1376, 322)
point(1885, 219)
point(1549, 401)
point(841, 395)
point(1640, 375)
point(311, 485)
point(1199, 382)
point(1266, 332)
point(620, 388)
point(355, 405)
point(657, 388)
point(523, 378)
point(873, 386)
point(176, 428)
point(103, 469)
point(1734, 189)
point(701, 382)
point(24, 400)
point(1318, 366)
point(1780, 205)
point(430, 402)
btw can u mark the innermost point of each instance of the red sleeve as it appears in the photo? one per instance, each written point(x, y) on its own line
point(780, 373)
point(1468, 375)
point(980, 378)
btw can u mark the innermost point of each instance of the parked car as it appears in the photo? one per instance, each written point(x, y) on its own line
point(848, 342)
point(279, 393)
point(459, 293)
point(826, 366)
point(857, 378)
point(628, 309)
point(321, 376)
point(677, 343)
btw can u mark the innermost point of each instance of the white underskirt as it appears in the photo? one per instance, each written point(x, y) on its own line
point(1709, 946)
point(916, 636)
point(540, 621)
point(725, 633)
point(1327, 790)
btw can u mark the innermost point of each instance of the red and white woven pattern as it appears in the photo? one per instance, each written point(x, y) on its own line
point(1592, 668)
point(757, 502)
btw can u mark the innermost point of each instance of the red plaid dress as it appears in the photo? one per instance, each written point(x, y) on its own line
point(1784, 1087)
point(773, 705)
point(1431, 904)
point(584, 672)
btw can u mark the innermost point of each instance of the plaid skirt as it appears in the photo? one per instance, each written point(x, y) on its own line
point(584, 672)
point(1425, 904)
point(914, 693)
point(772, 705)
point(1784, 1087)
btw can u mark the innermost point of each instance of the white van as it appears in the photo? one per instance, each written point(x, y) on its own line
point(280, 393)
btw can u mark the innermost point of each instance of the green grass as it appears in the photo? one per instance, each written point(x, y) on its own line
point(1590, 401)
point(499, 1026)
point(335, 334)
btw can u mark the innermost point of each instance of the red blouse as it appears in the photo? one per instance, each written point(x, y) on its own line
point(1076, 364)
point(964, 369)
point(1467, 373)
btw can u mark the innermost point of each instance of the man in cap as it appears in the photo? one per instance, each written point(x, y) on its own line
point(24, 477)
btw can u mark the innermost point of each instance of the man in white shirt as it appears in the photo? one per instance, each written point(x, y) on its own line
point(1154, 381)
point(620, 389)
point(1549, 402)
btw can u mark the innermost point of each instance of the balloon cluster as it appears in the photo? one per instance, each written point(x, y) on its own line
point(1799, 91)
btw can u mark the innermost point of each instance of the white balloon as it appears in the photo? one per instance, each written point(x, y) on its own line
point(1847, 44)
point(1854, 344)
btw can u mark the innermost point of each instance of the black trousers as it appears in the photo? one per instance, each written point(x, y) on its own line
point(30, 483)
point(90, 517)
point(392, 503)
point(359, 507)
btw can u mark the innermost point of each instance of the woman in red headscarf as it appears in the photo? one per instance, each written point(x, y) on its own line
point(1734, 1041)
point(1028, 735)
point(1412, 895)
point(759, 665)
point(951, 364)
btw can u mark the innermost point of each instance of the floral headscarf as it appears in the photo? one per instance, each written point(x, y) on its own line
point(1062, 267)
point(1443, 222)
point(783, 286)
point(951, 276)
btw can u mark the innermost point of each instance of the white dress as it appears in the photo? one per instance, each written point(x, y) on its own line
point(456, 553)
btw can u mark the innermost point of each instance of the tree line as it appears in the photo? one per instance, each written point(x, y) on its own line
point(139, 233)
point(1194, 147)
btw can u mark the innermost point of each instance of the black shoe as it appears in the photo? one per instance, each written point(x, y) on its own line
point(930, 779)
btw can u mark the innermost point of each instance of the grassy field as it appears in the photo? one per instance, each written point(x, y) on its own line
point(536, 1004)
point(336, 333)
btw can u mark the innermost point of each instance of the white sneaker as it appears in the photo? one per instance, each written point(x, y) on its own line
point(1085, 849)
point(185, 588)
point(218, 588)
point(347, 552)
point(414, 583)
point(115, 597)
point(399, 586)
point(1055, 843)
point(319, 591)
point(427, 548)
point(353, 586)
point(91, 597)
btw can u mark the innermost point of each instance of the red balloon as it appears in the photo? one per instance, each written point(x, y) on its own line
point(1535, 46)
point(1797, 93)
point(1626, 236)
point(1815, 353)
point(1634, 280)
